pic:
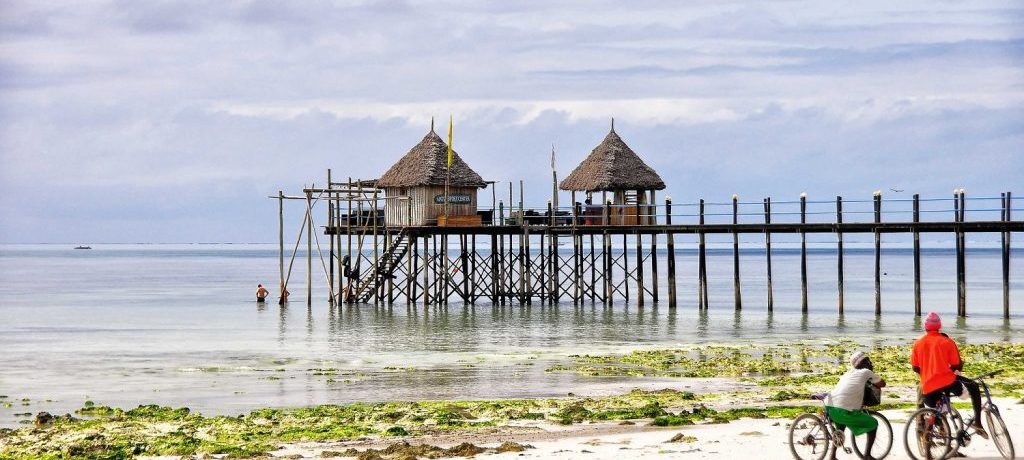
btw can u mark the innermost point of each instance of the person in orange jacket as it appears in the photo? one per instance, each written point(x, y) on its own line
point(936, 358)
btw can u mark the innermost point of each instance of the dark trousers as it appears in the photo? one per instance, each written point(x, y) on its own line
point(957, 388)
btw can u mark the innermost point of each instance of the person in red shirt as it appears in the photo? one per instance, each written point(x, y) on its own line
point(936, 358)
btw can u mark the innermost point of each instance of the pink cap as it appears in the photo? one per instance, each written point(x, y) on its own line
point(932, 322)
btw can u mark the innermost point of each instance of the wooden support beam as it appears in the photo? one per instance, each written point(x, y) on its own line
point(653, 207)
point(670, 241)
point(639, 269)
point(426, 270)
point(606, 255)
point(736, 255)
point(280, 241)
point(963, 256)
point(917, 257)
point(495, 275)
point(309, 250)
point(768, 251)
point(878, 254)
point(839, 253)
point(1007, 207)
point(702, 273)
point(330, 247)
point(803, 254)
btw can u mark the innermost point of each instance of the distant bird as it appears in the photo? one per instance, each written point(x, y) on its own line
point(897, 191)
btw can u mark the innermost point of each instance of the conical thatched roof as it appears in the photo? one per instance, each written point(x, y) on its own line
point(612, 166)
point(426, 164)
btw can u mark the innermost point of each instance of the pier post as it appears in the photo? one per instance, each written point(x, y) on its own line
point(878, 253)
point(330, 223)
point(309, 250)
point(348, 232)
point(426, 270)
point(702, 273)
point(653, 209)
point(376, 250)
point(527, 266)
point(503, 287)
point(670, 237)
point(280, 239)
point(963, 254)
point(839, 252)
point(768, 250)
point(467, 295)
point(917, 256)
point(639, 269)
point(495, 277)
point(803, 253)
point(411, 267)
point(593, 270)
point(607, 258)
point(1007, 206)
point(625, 262)
point(736, 253)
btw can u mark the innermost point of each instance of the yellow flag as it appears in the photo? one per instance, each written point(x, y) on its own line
point(449, 142)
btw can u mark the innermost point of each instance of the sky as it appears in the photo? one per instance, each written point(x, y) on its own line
point(153, 121)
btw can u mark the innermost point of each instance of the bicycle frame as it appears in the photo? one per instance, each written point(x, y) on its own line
point(962, 429)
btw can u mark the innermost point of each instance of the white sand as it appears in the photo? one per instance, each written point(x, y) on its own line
point(741, 439)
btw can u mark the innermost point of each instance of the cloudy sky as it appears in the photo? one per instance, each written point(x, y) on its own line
point(147, 121)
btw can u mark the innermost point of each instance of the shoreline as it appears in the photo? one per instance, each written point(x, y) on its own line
point(746, 384)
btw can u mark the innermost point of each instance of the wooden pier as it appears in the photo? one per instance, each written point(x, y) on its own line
point(421, 234)
point(582, 253)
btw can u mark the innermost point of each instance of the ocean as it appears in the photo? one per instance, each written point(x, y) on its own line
point(177, 325)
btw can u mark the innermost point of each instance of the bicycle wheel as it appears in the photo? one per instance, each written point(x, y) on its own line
point(883, 438)
point(808, 438)
point(998, 433)
point(927, 435)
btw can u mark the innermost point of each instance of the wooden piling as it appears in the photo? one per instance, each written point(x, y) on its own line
point(803, 254)
point(412, 266)
point(917, 256)
point(736, 255)
point(1007, 207)
point(878, 254)
point(639, 269)
point(670, 242)
point(839, 253)
point(495, 275)
point(309, 250)
point(606, 255)
point(593, 270)
point(330, 247)
point(625, 266)
point(702, 273)
point(768, 250)
point(280, 239)
point(654, 252)
point(962, 269)
point(426, 270)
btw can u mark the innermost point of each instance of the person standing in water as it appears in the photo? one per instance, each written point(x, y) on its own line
point(261, 293)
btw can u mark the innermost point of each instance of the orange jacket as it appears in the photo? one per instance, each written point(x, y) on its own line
point(936, 355)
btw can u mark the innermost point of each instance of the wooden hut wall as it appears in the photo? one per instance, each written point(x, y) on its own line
point(424, 207)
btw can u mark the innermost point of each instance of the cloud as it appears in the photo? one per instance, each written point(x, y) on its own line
point(174, 120)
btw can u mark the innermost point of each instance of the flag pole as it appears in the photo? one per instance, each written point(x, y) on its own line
point(448, 173)
point(554, 181)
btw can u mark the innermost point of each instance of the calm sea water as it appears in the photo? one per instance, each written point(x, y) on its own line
point(176, 325)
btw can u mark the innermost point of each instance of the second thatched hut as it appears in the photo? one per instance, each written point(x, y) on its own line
point(614, 167)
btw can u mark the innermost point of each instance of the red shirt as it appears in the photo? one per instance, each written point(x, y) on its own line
point(935, 354)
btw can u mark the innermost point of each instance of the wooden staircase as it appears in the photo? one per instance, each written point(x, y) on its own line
point(385, 269)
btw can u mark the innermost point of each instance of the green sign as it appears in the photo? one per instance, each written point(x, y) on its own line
point(454, 198)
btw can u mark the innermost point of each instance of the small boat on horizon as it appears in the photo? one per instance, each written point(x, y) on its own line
point(83, 247)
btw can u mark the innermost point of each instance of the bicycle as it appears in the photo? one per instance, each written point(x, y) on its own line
point(940, 432)
point(810, 432)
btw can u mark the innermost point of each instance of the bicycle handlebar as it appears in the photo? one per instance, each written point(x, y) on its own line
point(990, 374)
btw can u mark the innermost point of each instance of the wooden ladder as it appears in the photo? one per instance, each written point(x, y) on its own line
point(385, 268)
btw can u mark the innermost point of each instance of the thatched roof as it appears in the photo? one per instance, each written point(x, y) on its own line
point(427, 164)
point(612, 166)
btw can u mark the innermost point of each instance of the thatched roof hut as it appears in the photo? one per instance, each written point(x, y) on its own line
point(414, 187)
point(427, 164)
point(612, 166)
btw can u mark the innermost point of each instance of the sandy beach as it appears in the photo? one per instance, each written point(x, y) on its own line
point(744, 438)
